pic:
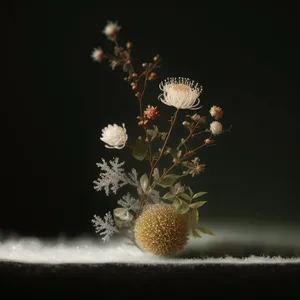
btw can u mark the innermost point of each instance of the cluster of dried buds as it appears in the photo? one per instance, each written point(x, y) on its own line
point(150, 113)
point(146, 72)
point(197, 122)
point(122, 58)
point(193, 167)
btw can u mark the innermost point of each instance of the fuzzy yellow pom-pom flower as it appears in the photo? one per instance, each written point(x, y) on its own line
point(161, 230)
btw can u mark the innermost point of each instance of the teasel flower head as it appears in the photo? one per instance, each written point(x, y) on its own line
point(161, 230)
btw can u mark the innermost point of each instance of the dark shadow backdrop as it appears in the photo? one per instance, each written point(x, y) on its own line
point(58, 100)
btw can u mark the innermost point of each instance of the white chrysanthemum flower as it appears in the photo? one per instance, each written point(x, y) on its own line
point(114, 136)
point(216, 127)
point(111, 29)
point(180, 92)
point(97, 54)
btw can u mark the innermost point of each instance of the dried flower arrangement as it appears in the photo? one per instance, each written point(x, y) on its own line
point(157, 224)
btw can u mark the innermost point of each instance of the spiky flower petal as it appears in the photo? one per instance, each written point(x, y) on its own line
point(181, 93)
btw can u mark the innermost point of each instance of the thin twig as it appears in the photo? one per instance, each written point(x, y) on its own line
point(173, 120)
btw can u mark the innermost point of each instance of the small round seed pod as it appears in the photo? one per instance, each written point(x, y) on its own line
point(161, 230)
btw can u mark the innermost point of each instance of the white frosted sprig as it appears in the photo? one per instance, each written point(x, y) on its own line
point(132, 178)
point(129, 202)
point(112, 176)
point(105, 226)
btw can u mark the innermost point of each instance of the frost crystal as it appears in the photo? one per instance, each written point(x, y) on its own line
point(129, 202)
point(112, 177)
point(104, 226)
point(132, 178)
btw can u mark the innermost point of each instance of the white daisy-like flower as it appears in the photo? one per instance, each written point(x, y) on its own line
point(97, 54)
point(114, 136)
point(111, 29)
point(181, 93)
point(216, 127)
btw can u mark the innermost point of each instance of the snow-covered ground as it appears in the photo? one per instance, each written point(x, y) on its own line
point(93, 251)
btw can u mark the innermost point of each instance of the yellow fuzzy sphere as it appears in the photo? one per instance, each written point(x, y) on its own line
point(161, 230)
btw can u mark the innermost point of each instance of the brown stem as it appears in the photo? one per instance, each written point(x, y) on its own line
point(198, 133)
point(198, 148)
point(191, 134)
point(116, 41)
point(141, 109)
point(145, 75)
point(173, 120)
point(164, 174)
point(150, 151)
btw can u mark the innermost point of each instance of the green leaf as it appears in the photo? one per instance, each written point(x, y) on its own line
point(120, 211)
point(140, 150)
point(178, 154)
point(176, 203)
point(186, 197)
point(168, 180)
point(144, 181)
point(163, 135)
point(122, 217)
point(190, 191)
point(156, 134)
point(152, 134)
point(181, 206)
point(155, 128)
point(194, 217)
point(196, 234)
point(197, 195)
point(155, 174)
point(184, 208)
point(168, 195)
point(122, 224)
point(197, 204)
point(170, 151)
point(167, 150)
point(206, 230)
point(123, 214)
point(177, 189)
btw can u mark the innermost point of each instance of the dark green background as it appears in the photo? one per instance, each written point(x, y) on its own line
point(58, 100)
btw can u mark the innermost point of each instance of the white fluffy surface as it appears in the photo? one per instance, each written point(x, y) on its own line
point(34, 251)
point(93, 251)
